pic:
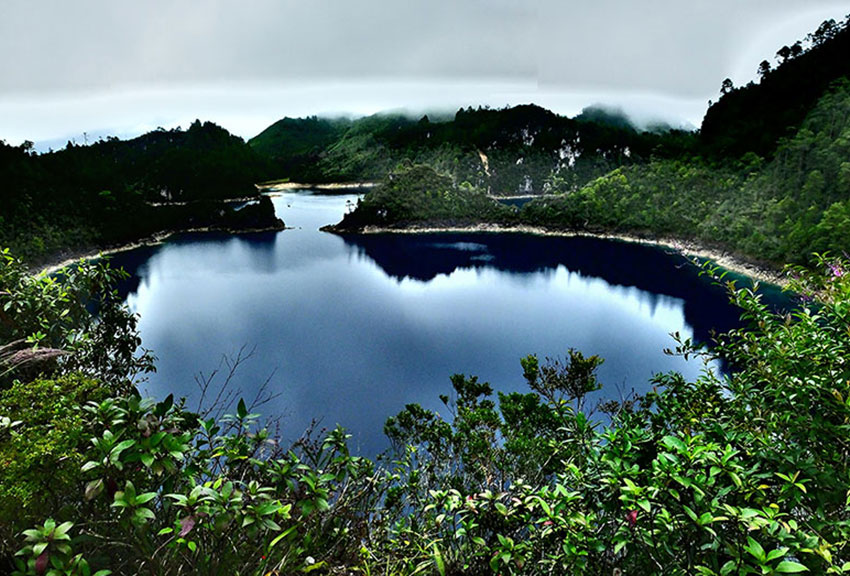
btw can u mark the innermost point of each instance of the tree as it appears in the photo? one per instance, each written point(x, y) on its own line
point(727, 86)
point(826, 31)
point(764, 69)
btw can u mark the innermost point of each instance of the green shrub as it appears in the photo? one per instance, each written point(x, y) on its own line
point(41, 455)
point(739, 473)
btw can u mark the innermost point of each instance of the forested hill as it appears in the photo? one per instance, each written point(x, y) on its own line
point(768, 178)
point(753, 118)
point(84, 197)
point(528, 150)
point(511, 151)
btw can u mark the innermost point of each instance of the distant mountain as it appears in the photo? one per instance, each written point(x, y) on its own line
point(294, 145)
point(510, 151)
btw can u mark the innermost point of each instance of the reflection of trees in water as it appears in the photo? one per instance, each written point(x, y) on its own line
point(257, 246)
point(653, 271)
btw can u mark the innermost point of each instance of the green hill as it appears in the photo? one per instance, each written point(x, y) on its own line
point(418, 195)
point(777, 208)
point(753, 118)
point(294, 145)
point(512, 151)
point(85, 197)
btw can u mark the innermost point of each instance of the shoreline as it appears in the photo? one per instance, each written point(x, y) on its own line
point(65, 259)
point(328, 186)
point(722, 258)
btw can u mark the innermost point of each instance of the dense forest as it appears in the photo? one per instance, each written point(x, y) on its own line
point(740, 472)
point(113, 191)
point(511, 151)
point(771, 183)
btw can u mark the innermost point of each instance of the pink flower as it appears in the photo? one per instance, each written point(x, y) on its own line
point(186, 525)
point(631, 517)
point(41, 562)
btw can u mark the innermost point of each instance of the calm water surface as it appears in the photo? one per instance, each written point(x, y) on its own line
point(350, 329)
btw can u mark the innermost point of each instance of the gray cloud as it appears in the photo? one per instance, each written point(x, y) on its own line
point(112, 51)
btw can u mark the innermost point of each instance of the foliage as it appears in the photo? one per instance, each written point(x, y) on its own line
point(419, 195)
point(778, 211)
point(168, 493)
point(753, 118)
point(47, 326)
point(111, 191)
point(738, 473)
point(41, 451)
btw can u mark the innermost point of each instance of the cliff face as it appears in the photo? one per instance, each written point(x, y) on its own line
point(513, 151)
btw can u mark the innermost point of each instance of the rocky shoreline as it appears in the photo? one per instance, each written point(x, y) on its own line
point(332, 186)
point(66, 258)
point(200, 217)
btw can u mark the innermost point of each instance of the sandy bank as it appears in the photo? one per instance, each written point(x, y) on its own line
point(66, 258)
point(331, 186)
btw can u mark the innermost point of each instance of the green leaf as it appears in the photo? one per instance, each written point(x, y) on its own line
point(144, 514)
point(120, 448)
point(787, 567)
point(438, 561)
point(674, 443)
point(145, 498)
point(778, 553)
point(61, 531)
point(755, 549)
point(281, 536)
point(93, 489)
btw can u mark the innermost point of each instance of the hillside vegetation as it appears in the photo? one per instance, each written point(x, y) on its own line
point(780, 210)
point(513, 151)
point(84, 197)
point(753, 118)
point(725, 188)
point(419, 195)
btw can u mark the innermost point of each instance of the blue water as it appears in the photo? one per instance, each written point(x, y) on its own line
point(347, 330)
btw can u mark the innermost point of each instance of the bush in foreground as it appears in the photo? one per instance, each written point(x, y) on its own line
point(739, 474)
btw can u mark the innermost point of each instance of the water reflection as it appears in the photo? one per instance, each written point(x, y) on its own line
point(354, 328)
point(654, 272)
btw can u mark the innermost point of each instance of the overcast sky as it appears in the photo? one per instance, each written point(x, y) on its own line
point(121, 67)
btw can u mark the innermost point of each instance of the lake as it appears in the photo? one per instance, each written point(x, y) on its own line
point(347, 330)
